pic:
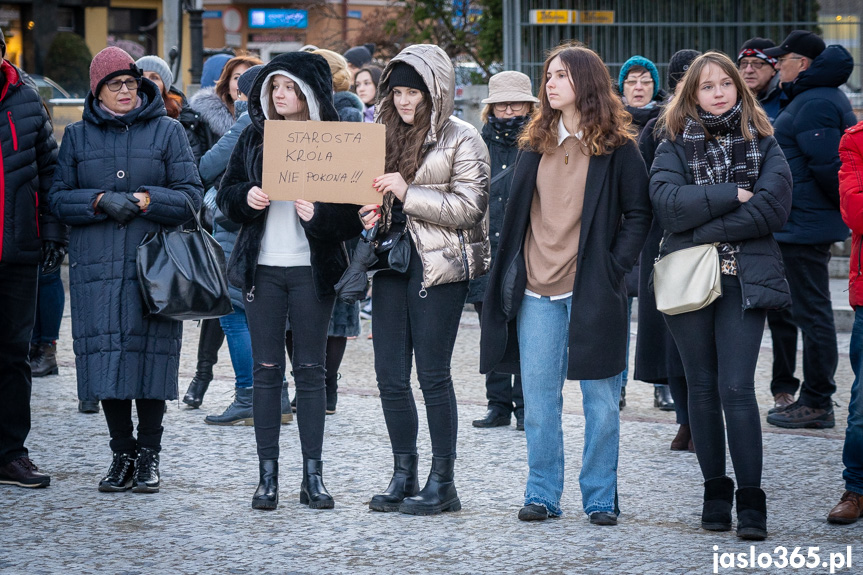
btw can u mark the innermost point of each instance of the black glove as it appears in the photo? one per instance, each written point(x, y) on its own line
point(53, 254)
point(120, 207)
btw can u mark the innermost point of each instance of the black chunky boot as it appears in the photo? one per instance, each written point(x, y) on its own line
point(751, 514)
point(267, 494)
point(46, 361)
point(403, 484)
point(147, 478)
point(121, 473)
point(312, 491)
point(718, 500)
point(439, 493)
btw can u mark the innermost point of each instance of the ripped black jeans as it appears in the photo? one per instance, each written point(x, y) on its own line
point(282, 293)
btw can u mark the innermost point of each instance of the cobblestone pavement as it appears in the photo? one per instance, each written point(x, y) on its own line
point(202, 522)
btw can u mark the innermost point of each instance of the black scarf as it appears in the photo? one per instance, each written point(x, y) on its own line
point(709, 159)
point(504, 131)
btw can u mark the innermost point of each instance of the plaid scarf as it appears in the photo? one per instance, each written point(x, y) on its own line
point(708, 156)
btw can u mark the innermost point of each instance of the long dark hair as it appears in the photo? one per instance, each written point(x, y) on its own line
point(601, 116)
point(405, 142)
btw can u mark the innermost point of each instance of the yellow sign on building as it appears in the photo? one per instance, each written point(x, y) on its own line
point(596, 17)
point(551, 16)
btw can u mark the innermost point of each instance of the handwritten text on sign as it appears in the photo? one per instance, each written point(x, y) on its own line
point(323, 161)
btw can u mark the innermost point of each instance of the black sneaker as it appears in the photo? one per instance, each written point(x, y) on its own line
point(121, 473)
point(23, 473)
point(603, 518)
point(519, 419)
point(798, 416)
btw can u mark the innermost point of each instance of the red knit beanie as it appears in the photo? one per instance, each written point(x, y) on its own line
point(110, 62)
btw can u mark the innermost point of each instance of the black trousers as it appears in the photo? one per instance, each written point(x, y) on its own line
point(407, 323)
point(336, 347)
point(209, 344)
point(282, 294)
point(18, 294)
point(502, 390)
point(118, 414)
point(719, 347)
point(811, 311)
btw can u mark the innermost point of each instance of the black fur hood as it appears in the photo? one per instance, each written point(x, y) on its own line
point(311, 70)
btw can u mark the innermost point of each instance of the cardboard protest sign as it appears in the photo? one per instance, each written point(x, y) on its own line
point(323, 161)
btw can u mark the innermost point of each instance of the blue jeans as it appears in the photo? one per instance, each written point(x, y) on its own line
point(543, 335)
point(49, 309)
point(852, 454)
point(236, 329)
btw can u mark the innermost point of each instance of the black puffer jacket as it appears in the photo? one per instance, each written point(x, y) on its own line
point(119, 354)
point(501, 138)
point(331, 224)
point(691, 214)
point(28, 156)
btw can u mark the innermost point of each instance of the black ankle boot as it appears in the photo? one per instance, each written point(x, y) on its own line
point(267, 494)
point(718, 500)
point(313, 492)
point(751, 513)
point(147, 478)
point(403, 484)
point(198, 387)
point(120, 474)
point(46, 361)
point(438, 495)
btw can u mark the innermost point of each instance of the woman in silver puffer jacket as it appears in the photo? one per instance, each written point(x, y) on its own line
point(436, 189)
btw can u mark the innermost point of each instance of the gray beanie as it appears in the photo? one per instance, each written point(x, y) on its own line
point(159, 66)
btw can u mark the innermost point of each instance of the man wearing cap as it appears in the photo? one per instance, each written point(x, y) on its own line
point(759, 73)
point(814, 113)
point(29, 236)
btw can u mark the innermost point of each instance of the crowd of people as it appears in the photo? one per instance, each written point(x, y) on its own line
point(550, 220)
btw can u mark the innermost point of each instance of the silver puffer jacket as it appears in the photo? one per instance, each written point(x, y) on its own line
point(447, 202)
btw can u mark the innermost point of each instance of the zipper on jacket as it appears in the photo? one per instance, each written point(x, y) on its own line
point(250, 295)
point(859, 256)
point(36, 195)
point(460, 234)
point(14, 132)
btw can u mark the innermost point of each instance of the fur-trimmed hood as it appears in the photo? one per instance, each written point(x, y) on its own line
point(311, 69)
point(213, 110)
point(349, 106)
point(436, 70)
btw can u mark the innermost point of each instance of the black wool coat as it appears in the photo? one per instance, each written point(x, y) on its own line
point(691, 215)
point(120, 354)
point(615, 221)
point(331, 224)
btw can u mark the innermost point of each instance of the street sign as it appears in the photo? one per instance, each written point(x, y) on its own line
point(596, 17)
point(550, 16)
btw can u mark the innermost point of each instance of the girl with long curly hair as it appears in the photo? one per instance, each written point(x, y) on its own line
point(555, 307)
point(435, 195)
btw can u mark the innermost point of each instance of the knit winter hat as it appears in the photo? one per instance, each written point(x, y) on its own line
point(644, 63)
point(159, 66)
point(109, 63)
point(405, 76)
point(213, 69)
point(247, 78)
point(754, 48)
point(678, 65)
point(359, 56)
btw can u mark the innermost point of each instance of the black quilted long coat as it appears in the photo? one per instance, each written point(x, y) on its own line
point(120, 354)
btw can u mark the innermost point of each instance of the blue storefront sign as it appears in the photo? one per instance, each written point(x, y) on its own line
point(211, 14)
point(278, 18)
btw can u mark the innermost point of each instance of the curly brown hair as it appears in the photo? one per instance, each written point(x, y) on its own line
point(601, 116)
point(223, 85)
point(685, 102)
point(405, 146)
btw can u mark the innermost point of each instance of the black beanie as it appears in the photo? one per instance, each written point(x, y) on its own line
point(404, 75)
point(678, 65)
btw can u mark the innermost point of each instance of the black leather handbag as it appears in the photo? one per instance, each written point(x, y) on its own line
point(182, 274)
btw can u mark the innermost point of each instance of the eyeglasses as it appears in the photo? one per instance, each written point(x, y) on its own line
point(631, 83)
point(516, 107)
point(754, 64)
point(784, 58)
point(132, 84)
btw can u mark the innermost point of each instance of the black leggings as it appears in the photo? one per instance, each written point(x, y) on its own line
point(279, 293)
point(118, 414)
point(719, 347)
point(335, 353)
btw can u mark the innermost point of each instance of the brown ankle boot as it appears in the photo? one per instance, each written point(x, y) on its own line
point(683, 438)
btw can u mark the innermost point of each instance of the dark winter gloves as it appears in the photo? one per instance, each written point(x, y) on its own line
point(53, 254)
point(119, 206)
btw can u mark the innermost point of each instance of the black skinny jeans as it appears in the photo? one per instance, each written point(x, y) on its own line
point(282, 294)
point(719, 347)
point(336, 347)
point(118, 414)
point(407, 324)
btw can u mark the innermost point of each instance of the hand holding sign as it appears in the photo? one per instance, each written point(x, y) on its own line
point(323, 161)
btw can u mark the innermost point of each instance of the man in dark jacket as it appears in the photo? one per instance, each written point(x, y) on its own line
point(29, 236)
point(813, 116)
point(759, 73)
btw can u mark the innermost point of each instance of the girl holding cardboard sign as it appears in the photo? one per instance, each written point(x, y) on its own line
point(287, 258)
point(436, 189)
